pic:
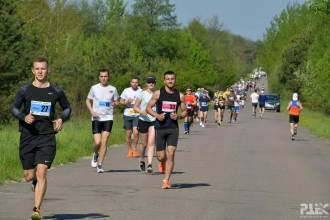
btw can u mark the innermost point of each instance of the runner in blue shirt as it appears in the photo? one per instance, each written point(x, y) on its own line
point(262, 101)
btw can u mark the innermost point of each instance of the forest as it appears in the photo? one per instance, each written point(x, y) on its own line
point(295, 52)
point(80, 37)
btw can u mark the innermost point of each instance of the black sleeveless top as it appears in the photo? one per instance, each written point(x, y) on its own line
point(167, 103)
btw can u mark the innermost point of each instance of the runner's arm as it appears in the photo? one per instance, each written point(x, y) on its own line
point(289, 105)
point(18, 101)
point(152, 103)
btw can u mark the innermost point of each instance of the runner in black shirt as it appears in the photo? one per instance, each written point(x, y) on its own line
point(36, 123)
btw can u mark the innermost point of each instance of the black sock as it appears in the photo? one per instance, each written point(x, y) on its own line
point(34, 182)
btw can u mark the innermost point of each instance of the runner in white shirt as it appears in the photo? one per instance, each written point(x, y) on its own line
point(131, 117)
point(254, 97)
point(104, 97)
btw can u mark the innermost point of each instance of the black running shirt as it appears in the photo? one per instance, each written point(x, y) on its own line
point(40, 101)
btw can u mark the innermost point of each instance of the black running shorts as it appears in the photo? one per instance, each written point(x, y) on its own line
point(37, 149)
point(190, 113)
point(143, 126)
point(99, 126)
point(166, 137)
point(294, 119)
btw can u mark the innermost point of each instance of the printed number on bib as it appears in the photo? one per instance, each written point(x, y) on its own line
point(40, 108)
point(169, 106)
point(203, 104)
point(104, 104)
point(132, 112)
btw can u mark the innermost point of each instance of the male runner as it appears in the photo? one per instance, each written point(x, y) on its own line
point(167, 101)
point(131, 117)
point(104, 97)
point(295, 107)
point(262, 101)
point(230, 105)
point(190, 104)
point(37, 142)
point(204, 103)
point(254, 97)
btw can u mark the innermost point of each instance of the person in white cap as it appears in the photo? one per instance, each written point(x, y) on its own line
point(262, 101)
point(295, 107)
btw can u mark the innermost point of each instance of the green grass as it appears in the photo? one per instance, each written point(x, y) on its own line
point(317, 123)
point(73, 142)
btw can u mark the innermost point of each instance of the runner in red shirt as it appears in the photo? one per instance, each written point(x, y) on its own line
point(190, 104)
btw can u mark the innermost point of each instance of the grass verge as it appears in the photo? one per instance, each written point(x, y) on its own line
point(317, 123)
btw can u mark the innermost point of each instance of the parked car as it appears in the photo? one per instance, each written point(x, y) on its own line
point(273, 102)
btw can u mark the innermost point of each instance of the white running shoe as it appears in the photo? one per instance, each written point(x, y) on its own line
point(94, 160)
point(202, 125)
point(99, 168)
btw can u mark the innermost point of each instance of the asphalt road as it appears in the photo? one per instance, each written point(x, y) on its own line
point(249, 169)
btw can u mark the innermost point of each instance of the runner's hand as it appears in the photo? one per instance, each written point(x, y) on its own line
point(160, 117)
point(58, 124)
point(29, 119)
point(95, 114)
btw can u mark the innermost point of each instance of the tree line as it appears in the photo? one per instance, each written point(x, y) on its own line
point(295, 53)
point(81, 37)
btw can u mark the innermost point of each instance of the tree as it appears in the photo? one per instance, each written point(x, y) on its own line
point(16, 50)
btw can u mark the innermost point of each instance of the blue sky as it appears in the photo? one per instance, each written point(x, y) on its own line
point(248, 18)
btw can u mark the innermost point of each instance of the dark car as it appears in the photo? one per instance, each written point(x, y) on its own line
point(273, 102)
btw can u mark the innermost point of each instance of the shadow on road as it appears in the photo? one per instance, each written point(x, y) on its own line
point(75, 216)
point(188, 185)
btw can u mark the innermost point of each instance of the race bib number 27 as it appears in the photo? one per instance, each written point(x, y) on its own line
point(40, 108)
point(169, 106)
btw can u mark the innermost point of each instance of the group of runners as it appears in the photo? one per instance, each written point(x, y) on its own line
point(149, 115)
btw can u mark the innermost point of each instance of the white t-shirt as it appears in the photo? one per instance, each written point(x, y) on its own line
point(255, 97)
point(238, 103)
point(102, 98)
point(145, 97)
point(129, 93)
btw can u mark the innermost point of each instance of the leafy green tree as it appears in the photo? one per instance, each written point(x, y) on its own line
point(16, 49)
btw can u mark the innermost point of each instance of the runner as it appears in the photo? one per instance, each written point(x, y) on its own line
point(236, 105)
point(131, 117)
point(216, 106)
point(190, 104)
point(222, 106)
point(37, 148)
point(146, 124)
point(204, 103)
point(230, 106)
point(254, 97)
point(167, 101)
point(262, 101)
point(197, 107)
point(295, 107)
point(105, 98)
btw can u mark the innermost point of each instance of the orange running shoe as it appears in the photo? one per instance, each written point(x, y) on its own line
point(161, 167)
point(135, 153)
point(130, 153)
point(166, 184)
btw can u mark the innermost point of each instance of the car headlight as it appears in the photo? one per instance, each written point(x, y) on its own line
point(277, 103)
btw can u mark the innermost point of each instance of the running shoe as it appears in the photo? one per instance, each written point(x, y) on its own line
point(295, 131)
point(36, 214)
point(33, 185)
point(149, 168)
point(130, 153)
point(135, 153)
point(260, 116)
point(197, 119)
point(186, 132)
point(94, 160)
point(215, 121)
point(234, 119)
point(161, 167)
point(292, 137)
point(142, 165)
point(166, 184)
point(200, 123)
point(99, 168)
point(203, 126)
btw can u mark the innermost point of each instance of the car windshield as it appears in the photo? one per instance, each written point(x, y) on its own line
point(272, 97)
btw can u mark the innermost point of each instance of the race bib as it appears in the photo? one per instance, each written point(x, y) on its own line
point(104, 104)
point(169, 106)
point(40, 108)
point(132, 112)
point(188, 105)
point(203, 104)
